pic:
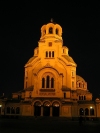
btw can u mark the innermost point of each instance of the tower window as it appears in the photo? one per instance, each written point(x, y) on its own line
point(46, 53)
point(52, 82)
point(49, 53)
point(64, 95)
point(72, 84)
point(50, 43)
point(50, 30)
point(57, 31)
point(52, 53)
point(48, 82)
point(43, 82)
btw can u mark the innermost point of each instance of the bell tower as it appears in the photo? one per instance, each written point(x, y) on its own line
point(51, 31)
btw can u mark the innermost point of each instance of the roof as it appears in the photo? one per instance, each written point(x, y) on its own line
point(68, 58)
point(79, 78)
point(31, 59)
point(29, 88)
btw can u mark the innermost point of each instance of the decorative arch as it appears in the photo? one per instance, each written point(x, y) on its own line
point(46, 103)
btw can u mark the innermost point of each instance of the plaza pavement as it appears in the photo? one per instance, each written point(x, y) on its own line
point(47, 125)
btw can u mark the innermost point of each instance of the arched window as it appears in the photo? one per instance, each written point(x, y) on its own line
point(86, 111)
point(79, 97)
point(47, 81)
point(52, 53)
point(46, 53)
point(17, 110)
point(84, 97)
point(81, 111)
point(50, 30)
point(49, 53)
point(52, 82)
point(91, 111)
point(43, 82)
point(12, 110)
point(79, 84)
point(57, 31)
point(8, 110)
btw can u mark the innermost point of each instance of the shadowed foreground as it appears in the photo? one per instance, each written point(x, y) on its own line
point(46, 125)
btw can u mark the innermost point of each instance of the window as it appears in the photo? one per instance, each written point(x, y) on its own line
point(91, 111)
point(17, 110)
point(26, 84)
point(52, 53)
point(49, 53)
point(12, 110)
point(30, 94)
point(47, 82)
point(86, 111)
point(72, 84)
point(52, 82)
point(50, 44)
point(57, 31)
point(73, 73)
point(64, 95)
point(81, 111)
point(8, 110)
point(43, 82)
point(50, 30)
point(46, 53)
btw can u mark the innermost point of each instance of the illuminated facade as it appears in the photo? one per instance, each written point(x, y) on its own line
point(51, 86)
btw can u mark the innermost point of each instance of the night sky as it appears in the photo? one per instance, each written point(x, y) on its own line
point(20, 32)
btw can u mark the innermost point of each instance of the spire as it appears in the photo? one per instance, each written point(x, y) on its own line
point(51, 20)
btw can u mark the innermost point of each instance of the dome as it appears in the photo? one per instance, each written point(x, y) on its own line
point(51, 30)
point(79, 78)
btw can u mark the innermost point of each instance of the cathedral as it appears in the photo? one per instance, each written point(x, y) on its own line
point(51, 85)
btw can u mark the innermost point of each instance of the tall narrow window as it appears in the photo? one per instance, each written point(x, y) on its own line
point(72, 84)
point(64, 95)
point(50, 30)
point(84, 97)
point(49, 53)
point(52, 53)
point(8, 110)
point(46, 53)
point(52, 82)
point(17, 110)
point(43, 82)
point(57, 31)
point(47, 82)
point(26, 84)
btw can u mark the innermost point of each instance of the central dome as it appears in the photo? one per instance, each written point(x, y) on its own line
point(51, 30)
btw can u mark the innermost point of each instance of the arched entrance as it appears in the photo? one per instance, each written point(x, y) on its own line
point(37, 109)
point(55, 109)
point(46, 109)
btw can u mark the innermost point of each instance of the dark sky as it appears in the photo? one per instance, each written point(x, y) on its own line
point(20, 33)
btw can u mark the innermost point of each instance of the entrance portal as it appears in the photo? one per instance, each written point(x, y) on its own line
point(46, 109)
point(55, 109)
point(37, 109)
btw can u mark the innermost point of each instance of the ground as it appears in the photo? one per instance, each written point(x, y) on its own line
point(46, 125)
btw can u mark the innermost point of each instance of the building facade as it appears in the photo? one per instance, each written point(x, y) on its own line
point(51, 85)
